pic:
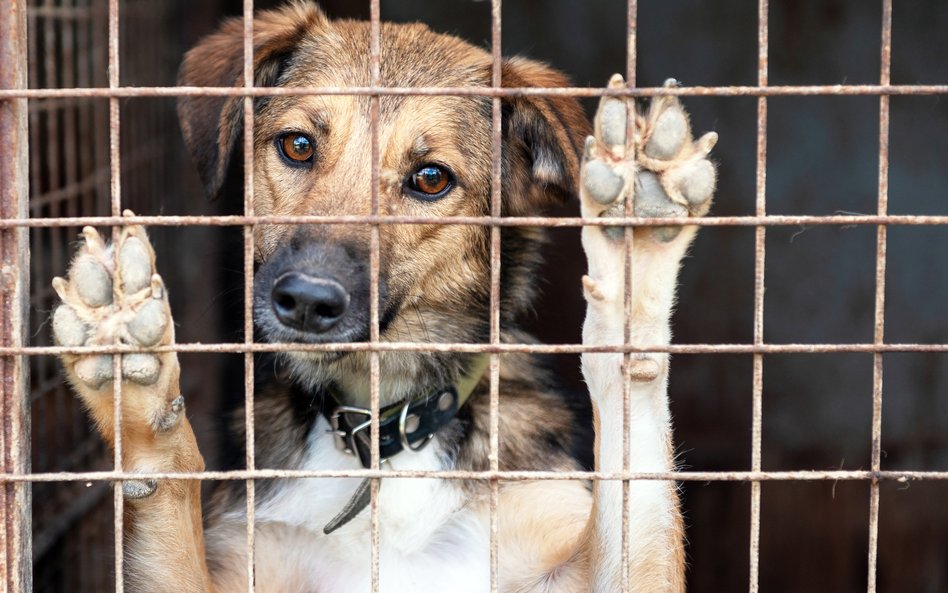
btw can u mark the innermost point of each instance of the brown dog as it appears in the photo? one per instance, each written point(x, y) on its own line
point(312, 285)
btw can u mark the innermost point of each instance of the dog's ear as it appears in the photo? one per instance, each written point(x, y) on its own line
point(543, 139)
point(213, 125)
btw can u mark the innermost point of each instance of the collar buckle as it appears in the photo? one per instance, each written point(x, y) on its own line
point(345, 432)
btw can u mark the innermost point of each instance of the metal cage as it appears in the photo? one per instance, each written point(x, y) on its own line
point(103, 137)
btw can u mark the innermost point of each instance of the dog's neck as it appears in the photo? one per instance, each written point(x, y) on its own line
point(355, 390)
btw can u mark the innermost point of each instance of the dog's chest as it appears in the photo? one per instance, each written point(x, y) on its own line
point(432, 537)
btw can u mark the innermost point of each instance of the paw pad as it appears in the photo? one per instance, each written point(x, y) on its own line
point(89, 316)
point(68, 328)
point(92, 281)
point(601, 182)
point(135, 265)
point(140, 368)
point(671, 129)
point(670, 175)
point(149, 323)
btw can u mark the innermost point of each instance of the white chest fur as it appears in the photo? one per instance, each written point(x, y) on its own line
point(431, 537)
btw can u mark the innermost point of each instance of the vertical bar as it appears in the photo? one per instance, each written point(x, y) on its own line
point(629, 243)
point(249, 429)
point(115, 193)
point(15, 497)
point(495, 210)
point(374, 370)
point(879, 329)
point(760, 244)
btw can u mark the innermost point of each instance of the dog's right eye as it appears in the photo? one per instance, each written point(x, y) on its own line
point(296, 148)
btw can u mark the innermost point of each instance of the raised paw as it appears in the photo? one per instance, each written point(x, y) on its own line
point(106, 302)
point(668, 174)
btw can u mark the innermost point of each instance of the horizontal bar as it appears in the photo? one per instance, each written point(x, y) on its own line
point(520, 475)
point(685, 91)
point(238, 348)
point(502, 221)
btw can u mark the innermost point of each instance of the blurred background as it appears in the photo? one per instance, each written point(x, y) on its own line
point(822, 159)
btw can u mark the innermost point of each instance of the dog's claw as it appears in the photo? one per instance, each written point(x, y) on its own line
point(167, 421)
point(138, 489)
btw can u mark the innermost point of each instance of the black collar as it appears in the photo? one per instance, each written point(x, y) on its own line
point(409, 424)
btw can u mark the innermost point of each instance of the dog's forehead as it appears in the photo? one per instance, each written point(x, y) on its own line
point(411, 55)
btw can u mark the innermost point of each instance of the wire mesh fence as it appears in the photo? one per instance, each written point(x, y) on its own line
point(93, 156)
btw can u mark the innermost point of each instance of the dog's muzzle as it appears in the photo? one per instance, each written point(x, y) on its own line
point(314, 290)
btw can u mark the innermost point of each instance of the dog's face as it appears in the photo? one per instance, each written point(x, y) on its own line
point(313, 156)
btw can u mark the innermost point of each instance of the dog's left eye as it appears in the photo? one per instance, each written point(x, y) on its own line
point(296, 148)
point(430, 182)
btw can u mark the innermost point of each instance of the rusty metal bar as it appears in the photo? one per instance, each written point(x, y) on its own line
point(901, 477)
point(517, 221)
point(879, 325)
point(15, 497)
point(760, 246)
point(248, 259)
point(115, 193)
point(485, 348)
point(631, 63)
point(375, 64)
point(693, 91)
point(496, 188)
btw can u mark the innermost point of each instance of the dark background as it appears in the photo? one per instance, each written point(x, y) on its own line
point(822, 159)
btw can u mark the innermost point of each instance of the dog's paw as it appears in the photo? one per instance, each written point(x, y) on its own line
point(108, 300)
point(669, 174)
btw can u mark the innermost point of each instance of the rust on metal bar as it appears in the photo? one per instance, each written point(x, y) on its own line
point(375, 64)
point(15, 497)
point(760, 246)
point(480, 348)
point(115, 193)
point(248, 259)
point(692, 91)
point(628, 256)
point(495, 263)
point(901, 477)
point(516, 221)
point(879, 317)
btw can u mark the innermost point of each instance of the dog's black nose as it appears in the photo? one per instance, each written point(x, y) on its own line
point(307, 303)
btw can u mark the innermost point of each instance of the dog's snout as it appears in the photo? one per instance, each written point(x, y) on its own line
point(307, 303)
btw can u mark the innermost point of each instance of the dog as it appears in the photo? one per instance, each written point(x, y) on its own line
point(312, 284)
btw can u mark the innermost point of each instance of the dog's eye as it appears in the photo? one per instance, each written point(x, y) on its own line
point(430, 182)
point(296, 148)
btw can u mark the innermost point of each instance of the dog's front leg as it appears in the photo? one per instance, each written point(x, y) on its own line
point(667, 175)
point(165, 546)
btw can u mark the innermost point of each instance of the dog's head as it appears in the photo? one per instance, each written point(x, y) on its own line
point(313, 156)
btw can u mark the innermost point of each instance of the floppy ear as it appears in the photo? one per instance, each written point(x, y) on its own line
point(213, 125)
point(543, 139)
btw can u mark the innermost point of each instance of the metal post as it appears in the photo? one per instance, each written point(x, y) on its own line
point(15, 525)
